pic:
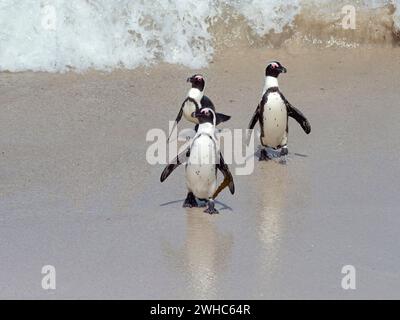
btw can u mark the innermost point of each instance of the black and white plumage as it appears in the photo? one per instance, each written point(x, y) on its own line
point(203, 160)
point(273, 112)
point(196, 100)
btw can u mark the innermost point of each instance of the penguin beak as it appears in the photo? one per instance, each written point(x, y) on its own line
point(282, 69)
point(189, 79)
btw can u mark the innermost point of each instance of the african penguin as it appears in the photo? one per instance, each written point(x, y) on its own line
point(273, 111)
point(203, 159)
point(196, 100)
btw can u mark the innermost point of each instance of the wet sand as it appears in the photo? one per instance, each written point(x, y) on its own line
point(76, 191)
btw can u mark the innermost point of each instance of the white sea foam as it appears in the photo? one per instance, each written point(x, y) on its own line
point(266, 15)
point(59, 35)
point(396, 15)
point(54, 35)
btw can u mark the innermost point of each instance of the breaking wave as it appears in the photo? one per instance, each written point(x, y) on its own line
point(62, 35)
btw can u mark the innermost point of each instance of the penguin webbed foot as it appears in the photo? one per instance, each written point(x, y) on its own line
point(211, 207)
point(190, 201)
point(282, 156)
point(284, 151)
point(280, 152)
point(263, 155)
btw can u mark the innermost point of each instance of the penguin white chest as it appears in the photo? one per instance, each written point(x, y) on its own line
point(201, 177)
point(188, 109)
point(275, 122)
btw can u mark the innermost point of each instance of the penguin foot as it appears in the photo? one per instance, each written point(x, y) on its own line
point(284, 151)
point(263, 155)
point(190, 201)
point(211, 208)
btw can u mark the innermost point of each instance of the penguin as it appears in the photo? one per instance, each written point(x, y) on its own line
point(203, 160)
point(196, 100)
point(273, 112)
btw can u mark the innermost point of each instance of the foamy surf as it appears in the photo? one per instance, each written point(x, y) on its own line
point(62, 35)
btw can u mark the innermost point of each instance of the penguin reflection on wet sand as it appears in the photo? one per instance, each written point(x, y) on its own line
point(196, 100)
point(272, 113)
point(203, 158)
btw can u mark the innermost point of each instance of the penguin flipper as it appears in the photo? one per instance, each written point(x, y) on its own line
point(297, 115)
point(180, 159)
point(221, 118)
point(228, 178)
point(254, 118)
point(178, 118)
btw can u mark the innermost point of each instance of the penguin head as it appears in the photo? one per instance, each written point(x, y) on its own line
point(205, 115)
point(274, 69)
point(197, 81)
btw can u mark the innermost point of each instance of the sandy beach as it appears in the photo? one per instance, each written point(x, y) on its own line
point(77, 193)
